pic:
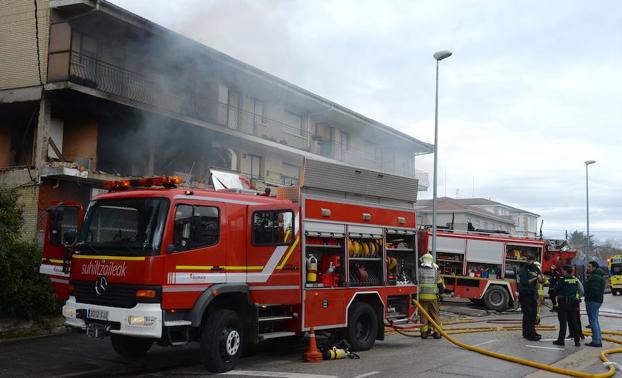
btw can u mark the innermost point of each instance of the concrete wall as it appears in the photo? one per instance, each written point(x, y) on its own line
point(18, 47)
point(28, 197)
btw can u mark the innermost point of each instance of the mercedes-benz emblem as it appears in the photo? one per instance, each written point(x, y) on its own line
point(101, 284)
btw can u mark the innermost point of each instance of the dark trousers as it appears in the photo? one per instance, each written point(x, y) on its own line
point(567, 315)
point(553, 296)
point(529, 308)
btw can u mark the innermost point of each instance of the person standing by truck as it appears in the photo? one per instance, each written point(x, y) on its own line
point(554, 277)
point(594, 290)
point(428, 295)
point(528, 297)
point(567, 289)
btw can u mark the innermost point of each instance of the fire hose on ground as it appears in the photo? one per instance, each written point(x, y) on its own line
point(611, 369)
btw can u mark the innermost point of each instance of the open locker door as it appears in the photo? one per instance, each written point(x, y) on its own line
point(61, 230)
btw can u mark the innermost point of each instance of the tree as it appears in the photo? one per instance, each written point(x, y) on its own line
point(578, 240)
point(24, 293)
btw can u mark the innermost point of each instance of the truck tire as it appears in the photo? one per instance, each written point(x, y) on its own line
point(221, 341)
point(496, 298)
point(130, 347)
point(362, 326)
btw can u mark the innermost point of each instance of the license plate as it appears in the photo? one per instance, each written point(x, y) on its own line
point(97, 314)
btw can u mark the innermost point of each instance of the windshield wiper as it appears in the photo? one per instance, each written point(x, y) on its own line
point(82, 244)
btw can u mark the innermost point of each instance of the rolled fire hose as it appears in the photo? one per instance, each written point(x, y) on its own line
point(611, 370)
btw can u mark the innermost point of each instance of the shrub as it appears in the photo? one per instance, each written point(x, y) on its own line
point(24, 292)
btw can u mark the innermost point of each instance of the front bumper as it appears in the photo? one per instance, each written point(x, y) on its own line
point(117, 317)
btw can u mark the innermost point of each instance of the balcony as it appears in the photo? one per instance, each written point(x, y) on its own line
point(198, 102)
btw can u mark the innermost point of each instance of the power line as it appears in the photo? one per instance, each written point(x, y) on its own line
point(37, 38)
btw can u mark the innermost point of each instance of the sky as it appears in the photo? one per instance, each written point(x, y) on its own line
point(533, 89)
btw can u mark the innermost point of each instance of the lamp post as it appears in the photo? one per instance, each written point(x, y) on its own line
point(438, 56)
point(587, 213)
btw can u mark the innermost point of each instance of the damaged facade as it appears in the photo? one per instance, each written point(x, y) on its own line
point(106, 94)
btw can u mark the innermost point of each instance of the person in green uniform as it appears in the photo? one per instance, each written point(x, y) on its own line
point(567, 290)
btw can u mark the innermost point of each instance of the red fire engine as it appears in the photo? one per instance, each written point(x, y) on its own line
point(483, 266)
point(171, 265)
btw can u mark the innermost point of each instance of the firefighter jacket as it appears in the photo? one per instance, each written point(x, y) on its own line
point(567, 287)
point(428, 283)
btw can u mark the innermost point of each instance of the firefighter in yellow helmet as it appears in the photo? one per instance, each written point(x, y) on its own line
point(429, 294)
point(540, 283)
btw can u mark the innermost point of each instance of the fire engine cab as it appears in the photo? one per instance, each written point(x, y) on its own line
point(483, 266)
point(155, 262)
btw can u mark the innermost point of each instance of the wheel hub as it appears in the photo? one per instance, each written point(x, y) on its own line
point(232, 342)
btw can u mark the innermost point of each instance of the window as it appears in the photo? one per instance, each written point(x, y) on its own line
point(293, 123)
point(125, 225)
point(290, 174)
point(84, 45)
point(64, 223)
point(259, 112)
point(234, 110)
point(273, 227)
point(255, 167)
point(344, 141)
point(195, 226)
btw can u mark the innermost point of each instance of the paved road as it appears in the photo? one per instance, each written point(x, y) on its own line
point(397, 356)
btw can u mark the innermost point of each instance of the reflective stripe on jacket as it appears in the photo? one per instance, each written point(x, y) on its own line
point(428, 288)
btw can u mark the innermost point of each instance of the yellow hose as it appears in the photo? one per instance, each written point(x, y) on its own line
point(538, 365)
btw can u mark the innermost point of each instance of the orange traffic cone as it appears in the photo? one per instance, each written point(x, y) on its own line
point(312, 354)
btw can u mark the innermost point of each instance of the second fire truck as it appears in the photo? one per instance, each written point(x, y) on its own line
point(483, 266)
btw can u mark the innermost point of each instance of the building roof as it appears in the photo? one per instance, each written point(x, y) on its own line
point(127, 16)
point(447, 204)
point(488, 202)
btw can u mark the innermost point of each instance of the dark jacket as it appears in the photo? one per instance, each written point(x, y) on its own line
point(567, 287)
point(595, 287)
point(524, 286)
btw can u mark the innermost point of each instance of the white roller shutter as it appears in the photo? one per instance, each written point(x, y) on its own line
point(484, 251)
point(325, 229)
point(449, 245)
point(365, 230)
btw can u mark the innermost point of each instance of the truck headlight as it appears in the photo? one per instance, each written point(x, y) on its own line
point(69, 312)
point(141, 320)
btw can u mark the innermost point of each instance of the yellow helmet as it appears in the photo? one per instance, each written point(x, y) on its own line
point(427, 260)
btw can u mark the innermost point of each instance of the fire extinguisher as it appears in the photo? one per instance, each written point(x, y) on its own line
point(311, 268)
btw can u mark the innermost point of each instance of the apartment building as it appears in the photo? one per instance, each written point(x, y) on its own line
point(478, 214)
point(91, 92)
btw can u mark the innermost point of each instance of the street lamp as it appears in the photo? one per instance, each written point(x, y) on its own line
point(439, 55)
point(587, 213)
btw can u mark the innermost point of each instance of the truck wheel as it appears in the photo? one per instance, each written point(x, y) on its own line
point(221, 341)
point(128, 346)
point(362, 326)
point(496, 298)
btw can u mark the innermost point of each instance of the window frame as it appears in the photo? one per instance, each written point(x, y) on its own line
point(192, 246)
point(291, 240)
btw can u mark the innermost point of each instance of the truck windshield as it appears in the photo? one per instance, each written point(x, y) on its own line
point(124, 226)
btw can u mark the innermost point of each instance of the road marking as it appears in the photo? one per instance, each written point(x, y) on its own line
point(276, 374)
point(541, 347)
point(367, 374)
point(548, 339)
point(486, 342)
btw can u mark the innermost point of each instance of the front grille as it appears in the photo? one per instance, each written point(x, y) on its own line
point(116, 295)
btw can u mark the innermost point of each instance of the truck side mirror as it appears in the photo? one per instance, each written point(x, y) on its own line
point(170, 248)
